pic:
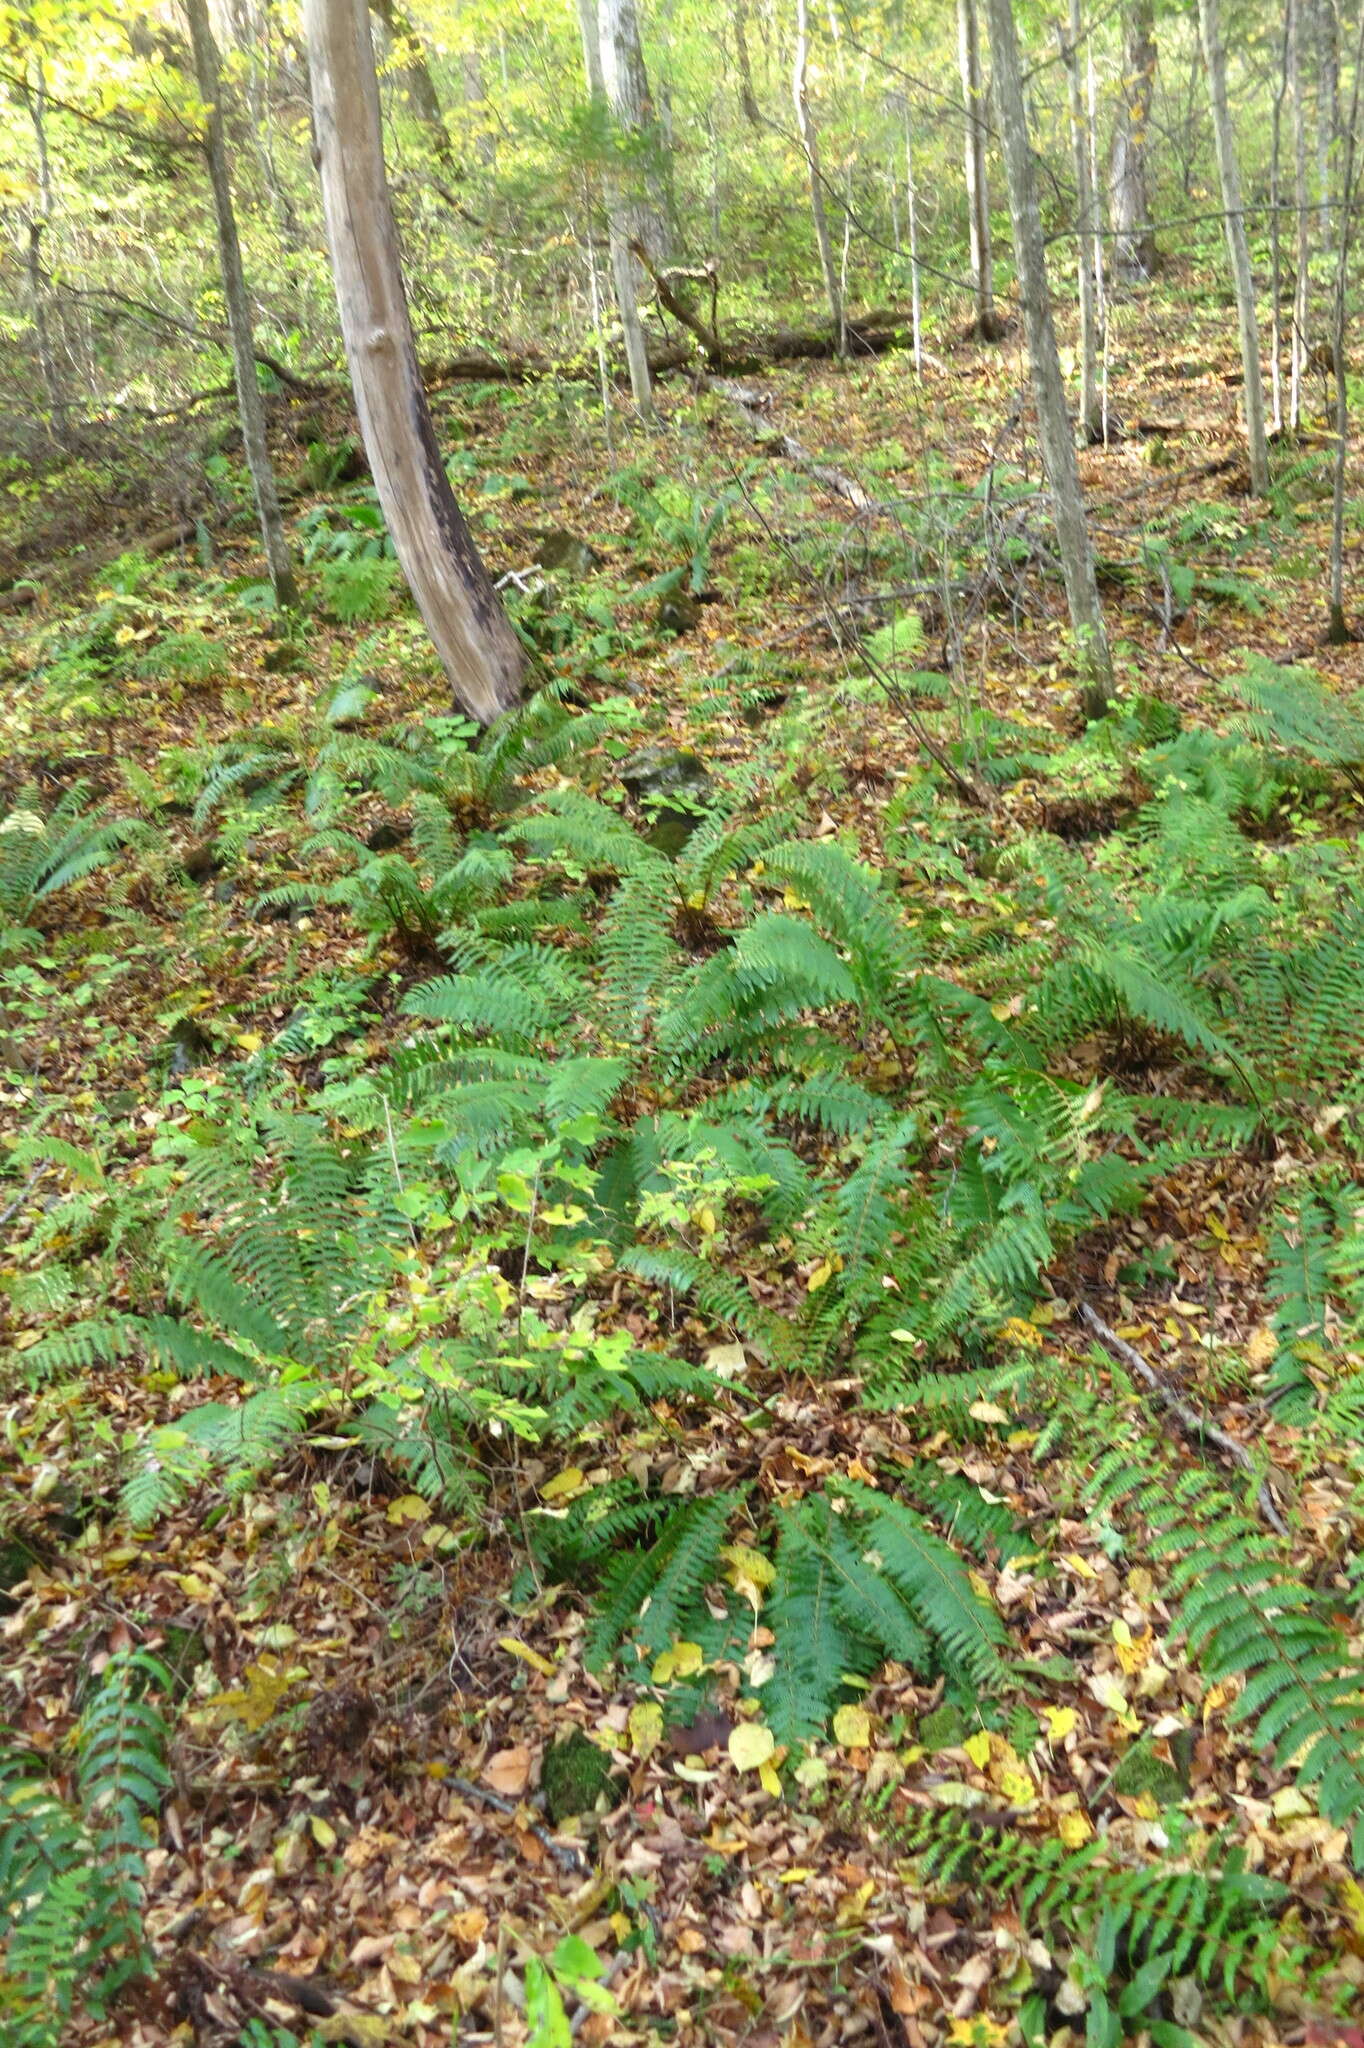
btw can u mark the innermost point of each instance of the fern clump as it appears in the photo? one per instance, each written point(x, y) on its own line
point(43, 852)
point(71, 1870)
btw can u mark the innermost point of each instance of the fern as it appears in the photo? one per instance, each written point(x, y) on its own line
point(1132, 1930)
point(1246, 1618)
point(42, 853)
point(647, 1595)
point(71, 1877)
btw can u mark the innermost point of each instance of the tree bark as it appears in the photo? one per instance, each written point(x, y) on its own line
point(626, 82)
point(413, 76)
point(1337, 626)
point(1238, 249)
point(986, 324)
point(1129, 193)
point(1086, 236)
point(1049, 392)
point(249, 402)
point(809, 142)
point(1302, 309)
point(625, 272)
point(453, 590)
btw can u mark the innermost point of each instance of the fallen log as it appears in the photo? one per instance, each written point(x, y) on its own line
point(874, 335)
point(30, 586)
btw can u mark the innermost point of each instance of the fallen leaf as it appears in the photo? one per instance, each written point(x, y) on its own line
point(508, 1771)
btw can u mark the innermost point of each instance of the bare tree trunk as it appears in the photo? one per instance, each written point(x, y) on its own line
point(413, 74)
point(1328, 101)
point(1275, 237)
point(1337, 627)
point(625, 271)
point(915, 282)
point(1238, 249)
point(1129, 194)
point(249, 403)
point(809, 142)
point(476, 96)
point(1048, 386)
point(748, 99)
point(627, 88)
point(1086, 235)
point(986, 325)
point(453, 590)
point(1302, 285)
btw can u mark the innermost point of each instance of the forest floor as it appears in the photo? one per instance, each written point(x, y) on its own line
point(356, 1810)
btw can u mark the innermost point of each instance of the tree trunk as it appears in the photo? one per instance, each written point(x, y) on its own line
point(1337, 627)
point(1328, 101)
point(1298, 344)
point(748, 99)
point(986, 325)
point(1086, 236)
point(412, 74)
point(463, 613)
point(1238, 249)
point(916, 318)
point(625, 272)
point(809, 142)
point(1049, 392)
point(627, 89)
point(1129, 194)
point(249, 404)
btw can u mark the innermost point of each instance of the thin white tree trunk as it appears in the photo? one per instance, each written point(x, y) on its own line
point(453, 590)
point(809, 142)
point(1337, 628)
point(915, 281)
point(620, 228)
point(1091, 424)
point(1055, 431)
point(250, 406)
point(1299, 343)
point(626, 83)
point(1238, 248)
point(1129, 197)
point(986, 324)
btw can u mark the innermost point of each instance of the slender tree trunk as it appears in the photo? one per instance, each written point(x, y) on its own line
point(1275, 237)
point(34, 95)
point(1238, 249)
point(809, 142)
point(1129, 195)
point(1302, 283)
point(1048, 386)
point(748, 99)
point(249, 404)
point(1328, 101)
point(1337, 627)
point(915, 281)
point(453, 590)
point(476, 97)
point(986, 325)
point(1086, 236)
point(627, 88)
point(413, 75)
point(625, 271)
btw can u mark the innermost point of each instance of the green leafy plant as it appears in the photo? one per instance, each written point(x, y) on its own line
point(42, 853)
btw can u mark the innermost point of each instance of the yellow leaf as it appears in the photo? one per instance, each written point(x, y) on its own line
point(323, 1833)
point(249, 1041)
point(1081, 1566)
point(515, 1648)
point(799, 1872)
point(751, 1745)
point(683, 1660)
point(852, 1727)
point(1060, 1722)
point(409, 1507)
point(1352, 1898)
point(1074, 1829)
point(980, 1586)
point(564, 1484)
point(1016, 1331)
point(979, 2031)
point(192, 1586)
point(646, 1727)
point(256, 1701)
point(1017, 1788)
point(769, 1781)
point(706, 1220)
point(822, 1275)
point(989, 1411)
point(977, 1747)
point(1262, 1349)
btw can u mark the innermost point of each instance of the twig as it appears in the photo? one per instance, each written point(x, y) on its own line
point(1186, 1416)
point(563, 1853)
point(25, 1191)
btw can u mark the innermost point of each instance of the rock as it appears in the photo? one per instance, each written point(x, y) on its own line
point(572, 556)
point(661, 770)
point(677, 613)
point(223, 892)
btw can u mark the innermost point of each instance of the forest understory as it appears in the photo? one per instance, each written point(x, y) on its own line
point(692, 1372)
